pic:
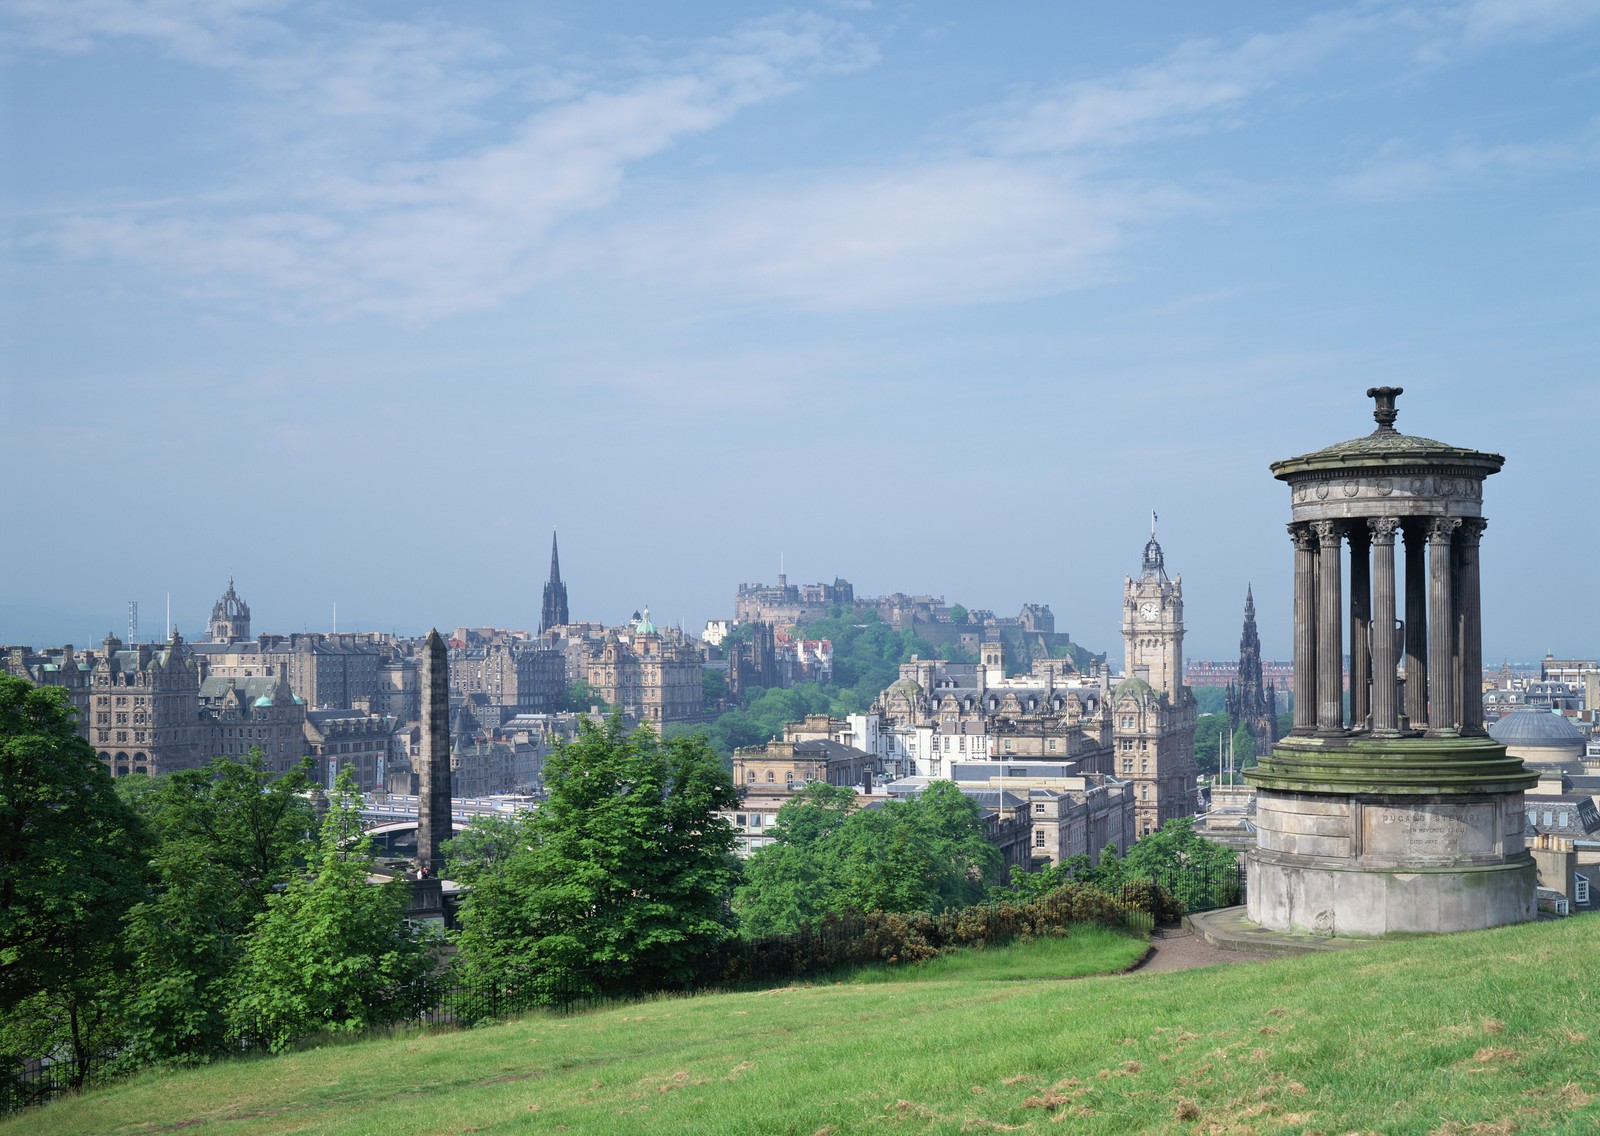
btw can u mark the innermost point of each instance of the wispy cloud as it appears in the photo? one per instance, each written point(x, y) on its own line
point(439, 174)
point(1401, 171)
point(428, 237)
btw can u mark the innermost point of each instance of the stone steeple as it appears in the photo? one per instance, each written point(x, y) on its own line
point(1251, 702)
point(230, 617)
point(433, 773)
point(554, 611)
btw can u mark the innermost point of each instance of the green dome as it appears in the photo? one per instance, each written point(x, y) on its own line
point(1134, 687)
point(264, 700)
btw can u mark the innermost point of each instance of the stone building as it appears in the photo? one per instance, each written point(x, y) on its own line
point(787, 765)
point(1152, 711)
point(939, 712)
point(529, 677)
point(648, 675)
point(144, 707)
point(1070, 813)
point(353, 740)
point(241, 714)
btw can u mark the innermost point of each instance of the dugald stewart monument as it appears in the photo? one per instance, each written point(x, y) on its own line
point(1393, 812)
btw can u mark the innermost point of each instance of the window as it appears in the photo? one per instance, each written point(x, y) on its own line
point(1127, 765)
point(1580, 889)
point(751, 777)
point(755, 820)
point(771, 778)
point(1038, 807)
point(1038, 838)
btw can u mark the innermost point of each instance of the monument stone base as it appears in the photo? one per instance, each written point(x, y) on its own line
point(1369, 837)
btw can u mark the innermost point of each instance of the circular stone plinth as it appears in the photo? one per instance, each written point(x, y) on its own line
point(1357, 836)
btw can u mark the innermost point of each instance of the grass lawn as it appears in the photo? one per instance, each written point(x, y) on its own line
point(1484, 1034)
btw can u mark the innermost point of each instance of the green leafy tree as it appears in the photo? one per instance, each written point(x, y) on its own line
point(580, 698)
point(787, 885)
point(1198, 871)
point(624, 884)
point(1244, 747)
point(72, 864)
point(334, 951)
point(925, 854)
point(713, 688)
point(230, 834)
point(483, 847)
point(958, 614)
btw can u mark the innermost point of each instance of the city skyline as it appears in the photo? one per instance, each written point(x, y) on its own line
point(357, 304)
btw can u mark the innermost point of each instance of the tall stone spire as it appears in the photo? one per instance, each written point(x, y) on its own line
point(1253, 704)
point(433, 776)
point(554, 611)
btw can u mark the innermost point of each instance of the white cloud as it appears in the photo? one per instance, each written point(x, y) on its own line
point(952, 232)
point(406, 197)
point(1398, 172)
point(428, 237)
point(1490, 20)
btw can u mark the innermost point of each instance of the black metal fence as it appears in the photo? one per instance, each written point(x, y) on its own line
point(837, 942)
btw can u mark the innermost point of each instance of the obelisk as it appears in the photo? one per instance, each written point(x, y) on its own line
point(433, 774)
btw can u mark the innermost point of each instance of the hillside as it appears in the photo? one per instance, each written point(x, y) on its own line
point(1482, 1034)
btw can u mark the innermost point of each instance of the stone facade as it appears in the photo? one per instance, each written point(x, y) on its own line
point(648, 675)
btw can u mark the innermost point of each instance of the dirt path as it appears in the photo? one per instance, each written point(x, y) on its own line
point(1177, 948)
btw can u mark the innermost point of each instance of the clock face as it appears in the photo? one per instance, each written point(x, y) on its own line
point(1148, 610)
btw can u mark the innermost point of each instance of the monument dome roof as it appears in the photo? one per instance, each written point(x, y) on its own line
point(1531, 726)
point(1386, 446)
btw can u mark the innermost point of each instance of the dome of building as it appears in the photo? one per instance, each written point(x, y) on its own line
point(1531, 726)
point(1538, 736)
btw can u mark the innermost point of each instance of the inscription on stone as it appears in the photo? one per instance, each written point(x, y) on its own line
point(1428, 834)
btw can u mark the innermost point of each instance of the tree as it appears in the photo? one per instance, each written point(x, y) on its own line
point(334, 950)
point(713, 688)
point(230, 834)
point(926, 854)
point(482, 847)
point(1193, 868)
point(958, 614)
point(624, 883)
point(580, 698)
point(787, 883)
point(72, 863)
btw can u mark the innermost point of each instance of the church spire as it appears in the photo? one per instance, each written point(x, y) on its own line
point(553, 613)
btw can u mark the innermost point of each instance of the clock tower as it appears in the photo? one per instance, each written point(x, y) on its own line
point(1152, 623)
point(1153, 713)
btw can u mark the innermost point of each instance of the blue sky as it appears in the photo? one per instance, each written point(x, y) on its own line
point(356, 301)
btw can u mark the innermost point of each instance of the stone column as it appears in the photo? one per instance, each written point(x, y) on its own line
point(1360, 626)
point(1416, 623)
point(1385, 691)
point(1441, 628)
point(1470, 628)
point(1330, 645)
point(1305, 629)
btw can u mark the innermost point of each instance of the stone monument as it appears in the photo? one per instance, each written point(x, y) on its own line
point(1404, 816)
point(433, 772)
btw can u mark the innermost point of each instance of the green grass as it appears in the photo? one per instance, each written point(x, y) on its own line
point(1473, 1035)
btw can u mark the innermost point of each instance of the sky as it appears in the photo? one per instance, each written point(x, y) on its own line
point(358, 302)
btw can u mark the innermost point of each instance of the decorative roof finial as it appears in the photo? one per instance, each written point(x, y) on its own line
point(1385, 411)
